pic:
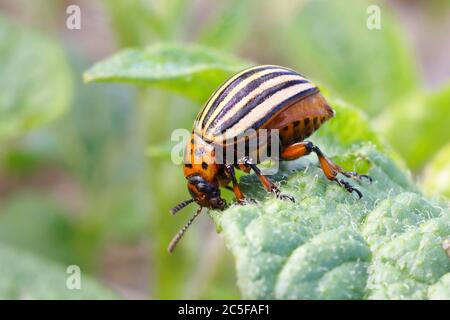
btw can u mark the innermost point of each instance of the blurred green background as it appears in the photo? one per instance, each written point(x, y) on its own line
point(84, 174)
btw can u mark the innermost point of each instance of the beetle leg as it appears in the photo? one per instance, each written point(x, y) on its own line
point(244, 167)
point(329, 168)
point(296, 151)
point(268, 185)
point(236, 189)
point(348, 187)
point(356, 176)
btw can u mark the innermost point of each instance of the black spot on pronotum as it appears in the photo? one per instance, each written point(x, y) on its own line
point(306, 121)
point(296, 123)
point(286, 128)
point(188, 165)
point(204, 165)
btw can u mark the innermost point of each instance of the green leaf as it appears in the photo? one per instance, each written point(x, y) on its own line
point(417, 125)
point(331, 245)
point(440, 290)
point(329, 40)
point(25, 276)
point(193, 71)
point(35, 84)
point(436, 175)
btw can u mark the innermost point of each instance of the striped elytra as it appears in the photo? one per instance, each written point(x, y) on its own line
point(253, 98)
point(267, 97)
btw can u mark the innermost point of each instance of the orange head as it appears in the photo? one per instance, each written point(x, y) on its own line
point(201, 172)
point(204, 193)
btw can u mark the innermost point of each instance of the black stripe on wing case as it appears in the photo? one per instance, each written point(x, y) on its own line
point(226, 90)
point(241, 94)
point(254, 103)
point(296, 97)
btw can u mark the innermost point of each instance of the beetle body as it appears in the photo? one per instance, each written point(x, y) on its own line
point(259, 99)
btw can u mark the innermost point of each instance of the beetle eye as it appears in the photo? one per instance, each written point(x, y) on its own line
point(202, 187)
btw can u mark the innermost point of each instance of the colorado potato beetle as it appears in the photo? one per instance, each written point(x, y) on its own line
point(269, 99)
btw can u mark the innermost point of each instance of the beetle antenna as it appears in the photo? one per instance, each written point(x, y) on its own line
point(180, 206)
point(180, 233)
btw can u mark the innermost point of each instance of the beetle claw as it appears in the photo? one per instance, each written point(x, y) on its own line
point(366, 177)
point(357, 176)
point(357, 192)
point(349, 187)
point(283, 196)
point(280, 195)
point(245, 201)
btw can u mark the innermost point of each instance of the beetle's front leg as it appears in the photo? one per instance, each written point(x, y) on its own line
point(236, 189)
point(268, 185)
